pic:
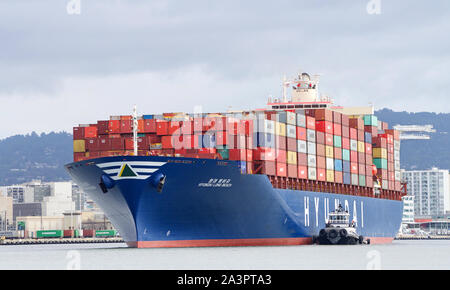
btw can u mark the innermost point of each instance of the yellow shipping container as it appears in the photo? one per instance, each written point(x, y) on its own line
point(361, 147)
point(329, 151)
point(280, 129)
point(292, 157)
point(379, 153)
point(330, 175)
point(79, 146)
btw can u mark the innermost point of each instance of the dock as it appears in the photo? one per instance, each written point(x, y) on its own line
point(416, 237)
point(59, 241)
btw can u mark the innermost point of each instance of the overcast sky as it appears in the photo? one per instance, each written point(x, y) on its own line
point(58, 70)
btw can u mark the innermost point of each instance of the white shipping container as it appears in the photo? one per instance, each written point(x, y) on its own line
point(291, 131)
point(301, 120)
point(311, 135)
point(312, 160)
point(353, 145)
point(330, 163)
point(291, 118)
point(312, 173)
point(301, 146)
point(311, 148)
point(265, 126)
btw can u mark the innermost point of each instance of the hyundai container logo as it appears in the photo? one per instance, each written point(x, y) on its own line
point(215, 182)
point(130, 170)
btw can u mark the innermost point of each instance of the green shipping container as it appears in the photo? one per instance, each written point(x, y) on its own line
point(49, 234)
point(224, 153)
point(337, 141)
point(105, 233)
point(380, 163)
point(346, 154)
point(370, 120)
point(362, 180)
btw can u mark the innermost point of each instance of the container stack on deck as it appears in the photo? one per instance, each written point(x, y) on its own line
point(312, 149)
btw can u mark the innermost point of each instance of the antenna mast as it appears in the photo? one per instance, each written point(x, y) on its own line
point(135, 129)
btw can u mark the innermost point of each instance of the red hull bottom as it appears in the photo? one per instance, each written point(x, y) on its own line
point(238, 242)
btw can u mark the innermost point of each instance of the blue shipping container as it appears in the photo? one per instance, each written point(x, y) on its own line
point(264, 140)
point(338, 165)
point(346, 166)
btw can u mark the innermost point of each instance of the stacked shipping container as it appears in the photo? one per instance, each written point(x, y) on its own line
point(328, 150)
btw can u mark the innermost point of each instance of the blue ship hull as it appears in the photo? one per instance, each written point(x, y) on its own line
point(206, 202)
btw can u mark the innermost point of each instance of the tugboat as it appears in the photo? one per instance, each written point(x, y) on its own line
point(339, 231)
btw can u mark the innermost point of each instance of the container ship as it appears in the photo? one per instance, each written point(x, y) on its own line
point(266, 176)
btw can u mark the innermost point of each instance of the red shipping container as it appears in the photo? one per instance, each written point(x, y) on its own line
point(249, 154)
point(321, 174)
point(353, 156)
point(320, 149)
point(90, 132)
point(117, 143)
point(302, 159)
point(310, 123)
point(362, 169)
point(346, 143)
point(174, 128)
point(149, 126)
point(187, 127)
point(329, 139)
point(249, 141)
point(310, 112)
point(353, 134)
point(237, 154)
point(357, 123)
point(301, 133)
point(368, 148)
point(280, 142)
point(337, 117)
point(142, 143)
point(162, 127)
point(361, 157)
point(249, 126)
point(78, 133)
point(354, 168)
point(264, 154)
point(337, 153)
point(92, 144)
point(280, 156)
point(104, 144)
point(345, 120)
point(337, 129)
point(369, 159)
point(369, 181)
point(338, 177)
point(292, 170)
point(345, 131)
point(390, 148)
point(323, 115)
point(379, 142)
point(102, 127)
point(114, 126)
point(126, 126)
point(361, 135)
point(129, 144)
point(394, 133)
point(320, 137)
point(281, 169)
point(302, 172)
point(291, 144)
point(324, 126)
point(321, 162)
point(264, 167)
point(78, 156)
